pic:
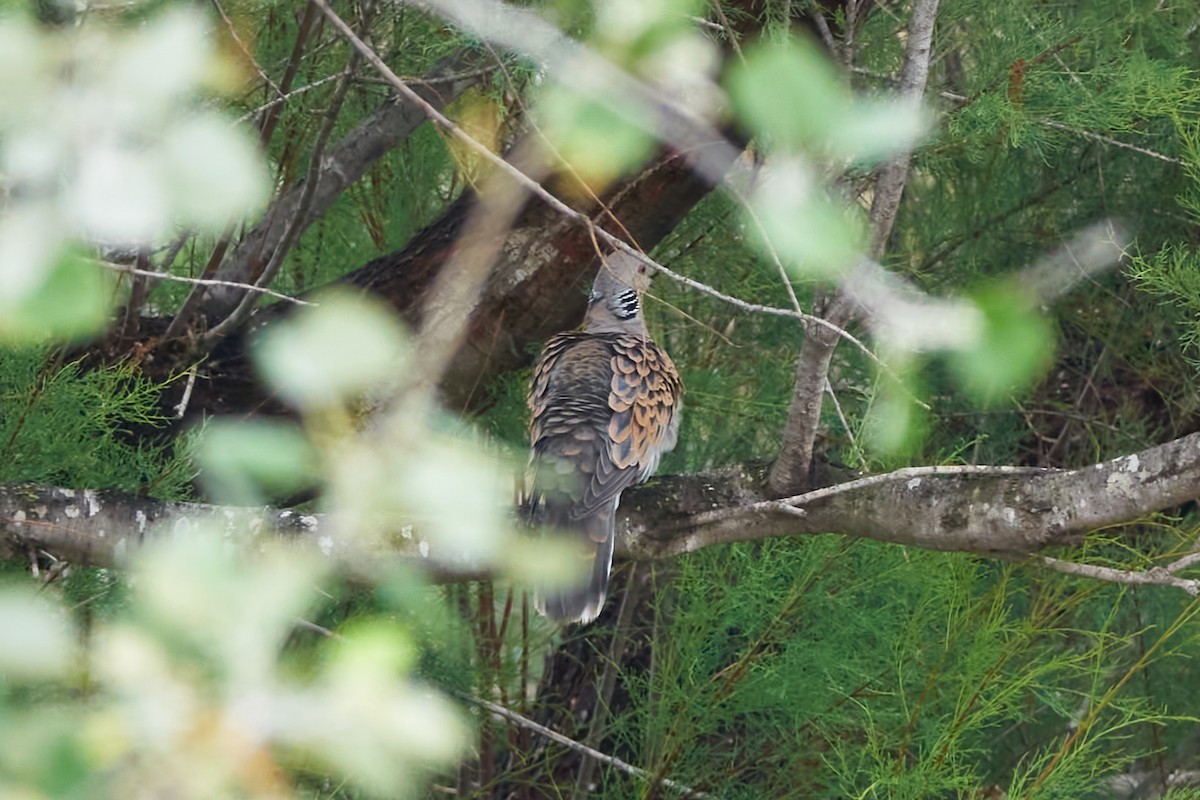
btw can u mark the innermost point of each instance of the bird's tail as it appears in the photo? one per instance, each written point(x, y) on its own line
point(595, 534)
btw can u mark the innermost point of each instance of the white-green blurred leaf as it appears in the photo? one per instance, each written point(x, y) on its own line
point(155, 705)
point(167, 57)
point(29, 246)
point(379, 731)
point(118, 196)
point(462, 493)
point(596, 141)
point(35, 640)
point(22, 53)
point(72, 301)
point(790, 93)
point(548, 562)
point(812, 235)
point(213, 173)
point(334, 352)
point(96, 127)
point(627, 21)
point(234, 605)
point(1012, 350)
point(246, 462)
point(875, 130)
point(895, 422)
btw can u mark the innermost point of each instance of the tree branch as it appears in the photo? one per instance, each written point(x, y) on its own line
point(999, 511)
point(344, 164)
point(791, 469)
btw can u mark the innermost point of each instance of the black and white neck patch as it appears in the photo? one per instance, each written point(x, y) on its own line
point(625, 305)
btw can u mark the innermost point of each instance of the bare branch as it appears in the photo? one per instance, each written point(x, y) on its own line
point(913, 76)
point(166, 276)
point(792, 467)
point(578, 747)
point(1158, 576)
point(1009, 512)
point(278, 101)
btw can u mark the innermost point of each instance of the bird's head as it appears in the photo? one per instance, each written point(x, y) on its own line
point(615, 302)
point(626, 271)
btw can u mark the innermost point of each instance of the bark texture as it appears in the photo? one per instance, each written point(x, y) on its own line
point(1012, 513)
point(536, 287)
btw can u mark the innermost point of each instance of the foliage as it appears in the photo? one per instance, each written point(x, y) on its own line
point(817, 668)
point(68, 426)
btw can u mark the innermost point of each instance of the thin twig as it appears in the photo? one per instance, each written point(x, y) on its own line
point(912, 473)
point(1183, 563)
point(1109, 141)
point(165, 276)
point(296, 223)
point(284, 98)
point(818, 17)
point(181, 407)
point(729, 31)
point(837, 407)
point(1158, 576)
point(578, 747)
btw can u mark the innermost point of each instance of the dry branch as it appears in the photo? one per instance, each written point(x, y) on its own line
point(792, 466)
point(1004, 512)
point(346, 162)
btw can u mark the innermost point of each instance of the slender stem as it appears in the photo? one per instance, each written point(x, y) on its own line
point(792, 467)
point(296, 224)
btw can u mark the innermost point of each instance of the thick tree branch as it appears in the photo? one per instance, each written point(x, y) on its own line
point(1000, 511)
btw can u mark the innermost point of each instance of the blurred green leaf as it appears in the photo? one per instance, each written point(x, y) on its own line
point(641, 23)
point(598, 143)
point(1012, 350)
point(40, 749)
point(22, 52)
point(71, 302)
point(895, 423)
point(30, 246)
point(214, 173)
point(789, 93)
point(231, 607)
point(166, 58)
point(329, 354)
point(812, 235)
point(877, 129)
point(370, 650)
point(247, 462)
point(35, 640)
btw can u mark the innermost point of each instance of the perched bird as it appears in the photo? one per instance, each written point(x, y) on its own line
point(605, 404)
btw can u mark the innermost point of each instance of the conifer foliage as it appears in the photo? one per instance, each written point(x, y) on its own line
point(301, 256)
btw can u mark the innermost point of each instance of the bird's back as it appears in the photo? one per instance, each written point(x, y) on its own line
point(604, 409)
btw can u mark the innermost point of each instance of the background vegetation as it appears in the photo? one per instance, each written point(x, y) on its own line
point(821, 667)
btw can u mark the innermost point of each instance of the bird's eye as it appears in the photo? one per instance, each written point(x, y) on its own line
point(642, 269)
